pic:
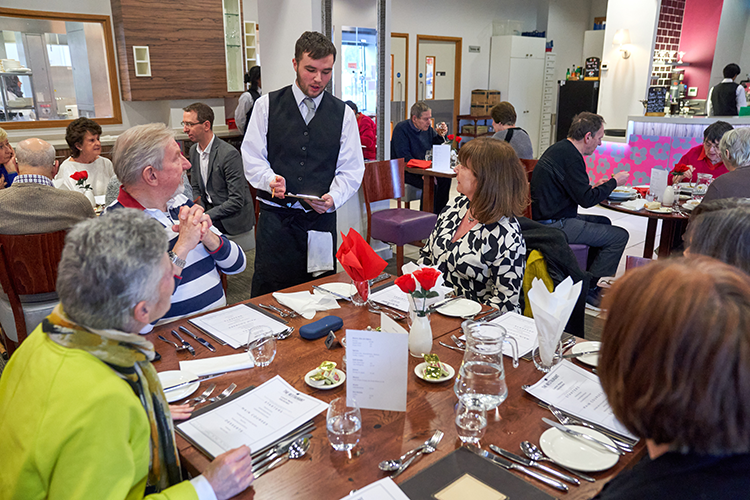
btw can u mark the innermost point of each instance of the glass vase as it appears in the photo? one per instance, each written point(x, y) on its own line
point(362, 292)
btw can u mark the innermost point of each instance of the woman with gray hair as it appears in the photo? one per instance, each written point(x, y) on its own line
point(721, 229)
point(81, 407)
point(734, 148)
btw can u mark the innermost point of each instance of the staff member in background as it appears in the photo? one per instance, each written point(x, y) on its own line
point(477, 242)
point(244, 108)
point(704, 158)
point(81, 407)
point(504, 125)
point(367, 133)
point(7, 162)
point(304, 141)
point(411, 139)
point(726, 98)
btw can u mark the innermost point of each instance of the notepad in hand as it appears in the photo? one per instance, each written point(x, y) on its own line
point(304, 196)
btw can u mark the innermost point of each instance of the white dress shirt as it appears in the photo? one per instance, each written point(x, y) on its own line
point(350, 167)
point(243, 105)
point(741, 99)
point(204, 156)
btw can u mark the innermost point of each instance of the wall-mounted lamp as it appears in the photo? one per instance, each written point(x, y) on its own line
point(622, 38)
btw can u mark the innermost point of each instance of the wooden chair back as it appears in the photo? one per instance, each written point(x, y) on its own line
point(28, 266)
point(383, 180)
point(529, 166)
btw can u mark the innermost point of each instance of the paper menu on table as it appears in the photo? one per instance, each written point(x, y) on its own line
point(384, 489)
point(233, 324)
point(521, 328)
point(577, 391)
point(441, 158)
point(392, 296)
point(257, 418)
point(377, 367)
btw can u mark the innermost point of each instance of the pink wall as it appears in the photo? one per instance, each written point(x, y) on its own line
point(700, 26)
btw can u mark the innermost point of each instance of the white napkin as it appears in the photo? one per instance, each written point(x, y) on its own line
point(219, 364)
point(633, 204)
point(306, 303)
point(551, 313)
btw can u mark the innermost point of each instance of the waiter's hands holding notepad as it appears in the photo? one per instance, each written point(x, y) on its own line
point(320, 204)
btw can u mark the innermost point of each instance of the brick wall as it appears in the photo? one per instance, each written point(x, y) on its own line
point(667, 38)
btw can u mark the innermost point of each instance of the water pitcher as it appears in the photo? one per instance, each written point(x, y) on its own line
point(481, 374)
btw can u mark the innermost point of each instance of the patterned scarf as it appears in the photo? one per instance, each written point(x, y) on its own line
point(129, 356)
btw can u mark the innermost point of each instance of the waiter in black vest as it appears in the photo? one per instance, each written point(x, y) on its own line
point(301, 140)
point(726, 98)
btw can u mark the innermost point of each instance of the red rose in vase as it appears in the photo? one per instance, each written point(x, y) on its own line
point(406, 283)
point(427, 276)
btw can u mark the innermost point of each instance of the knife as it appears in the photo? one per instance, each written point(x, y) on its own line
point(532, 463)
point(615, 436)
point(581, 435)
point(282, 449)
point(379, 278)
point(203, 341)
point(579, 354)
point(289, 437)
point(190, 348)
point(337, 295)
point(434, 307)
point(183, 384)
point(507, 464)
point(491, 316)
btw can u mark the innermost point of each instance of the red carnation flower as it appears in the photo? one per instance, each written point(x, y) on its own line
point(406, 283)
point(427, 277)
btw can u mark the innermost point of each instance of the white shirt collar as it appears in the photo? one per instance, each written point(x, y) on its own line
point(299, 96)
point(727, 80)
point(208, 148)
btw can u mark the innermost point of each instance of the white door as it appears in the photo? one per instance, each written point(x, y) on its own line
point(399, 79)
point(524, 91)
point(436, 87)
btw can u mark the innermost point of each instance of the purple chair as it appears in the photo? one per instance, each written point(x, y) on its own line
point(581, 252)
point(384, 180)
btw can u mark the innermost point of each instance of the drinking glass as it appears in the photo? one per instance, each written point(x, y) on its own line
point(701, 186)
point(471, 420)
point(361, 294)
point(261, 345)
point(344, 425)
point(546, 363)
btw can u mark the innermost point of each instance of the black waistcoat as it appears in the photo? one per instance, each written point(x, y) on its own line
point(305, 155)
point(724, 99)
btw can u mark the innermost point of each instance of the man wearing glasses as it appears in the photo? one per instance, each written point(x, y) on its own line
point(217, 174)
point(704, 158)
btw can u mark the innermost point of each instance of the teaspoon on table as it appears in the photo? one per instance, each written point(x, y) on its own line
point(296, 451)
point(534, 453)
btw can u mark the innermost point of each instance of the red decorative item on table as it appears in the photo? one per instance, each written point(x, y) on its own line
point(426, 276)
point(359, 261)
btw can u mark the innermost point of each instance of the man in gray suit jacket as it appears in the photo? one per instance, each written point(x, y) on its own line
point(217, 174)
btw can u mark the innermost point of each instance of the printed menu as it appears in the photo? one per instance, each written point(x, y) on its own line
point(232, 325)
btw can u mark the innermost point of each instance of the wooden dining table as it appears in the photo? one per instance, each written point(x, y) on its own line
point(672, 224)
point(328, 474)
point(428, 189)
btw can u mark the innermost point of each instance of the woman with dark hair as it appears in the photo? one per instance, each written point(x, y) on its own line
point(82, 135)
point(675, 366)
point(247, 100)
point(703, 158)
point(477, 242)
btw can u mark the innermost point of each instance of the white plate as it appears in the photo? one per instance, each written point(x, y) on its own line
point(686, 187)
point(419, 372)
point(345, 289)
point(175, 377)
point(459, 308)
point(589, 359)
point(319, 384)
point(690, 206)
point(623, 190)
point(577, 453)
point(662, 210)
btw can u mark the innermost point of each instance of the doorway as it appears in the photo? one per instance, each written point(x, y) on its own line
point(439, 76)
point(399, 76)
point(359, 68)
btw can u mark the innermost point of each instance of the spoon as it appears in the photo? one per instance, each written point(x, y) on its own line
point(296, 451)
point(393, 465)
point(534, 453)
point(429, 447)
point(285, 334)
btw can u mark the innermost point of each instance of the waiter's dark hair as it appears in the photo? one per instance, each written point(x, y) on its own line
point(731, 70)
point(203, 112)
point(716, 131)
point(315, 44)
point(584, 123)
point(253, 77)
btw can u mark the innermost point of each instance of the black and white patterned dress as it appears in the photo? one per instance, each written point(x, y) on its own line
point(486, 264)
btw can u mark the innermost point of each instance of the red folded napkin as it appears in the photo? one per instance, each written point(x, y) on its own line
point(358, 258)
point(414, 163)
point(642, 190)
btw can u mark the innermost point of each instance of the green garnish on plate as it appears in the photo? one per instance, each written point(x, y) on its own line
point(326, 373)
point(434, 369)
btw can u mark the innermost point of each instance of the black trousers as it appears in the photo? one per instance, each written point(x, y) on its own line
point(442, 191)
point(281, 250)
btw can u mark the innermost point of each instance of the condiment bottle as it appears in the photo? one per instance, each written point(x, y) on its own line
point(668, 198)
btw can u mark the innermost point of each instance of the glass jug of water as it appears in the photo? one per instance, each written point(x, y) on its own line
point(481, 375)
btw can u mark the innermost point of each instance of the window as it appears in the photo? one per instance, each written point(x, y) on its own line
point(359, 78)
point(56, 67)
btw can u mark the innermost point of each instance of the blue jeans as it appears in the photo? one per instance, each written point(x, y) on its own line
point(607, 241)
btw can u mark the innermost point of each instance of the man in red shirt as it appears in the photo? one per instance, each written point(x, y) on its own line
point(704, 158)
point(367, 133)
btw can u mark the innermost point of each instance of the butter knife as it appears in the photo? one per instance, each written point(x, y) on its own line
point(507, 464)
point(337, 295)
point(379, 278)
point(201, 340)
point(199, 379)
point(579, 354)
point(190, 348)
point(533, 463)
point(491, 316)
point(583, 436)
point(434, 307)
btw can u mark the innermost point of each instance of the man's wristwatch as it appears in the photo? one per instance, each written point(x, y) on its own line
point(176, 260)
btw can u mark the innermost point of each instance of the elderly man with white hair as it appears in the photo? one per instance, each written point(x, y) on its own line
point(734, 148)
point(81, 407)
point(149, 164)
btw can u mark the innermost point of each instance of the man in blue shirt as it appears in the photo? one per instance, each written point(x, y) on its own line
point(411, 139)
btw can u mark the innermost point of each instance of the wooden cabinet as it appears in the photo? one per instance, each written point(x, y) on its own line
point(187, 51)
point(517, 71)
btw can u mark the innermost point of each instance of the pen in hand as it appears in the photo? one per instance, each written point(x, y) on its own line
point(273, 190)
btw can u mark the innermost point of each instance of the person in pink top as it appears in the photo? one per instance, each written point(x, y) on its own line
point(704, 158)
point(368, 134)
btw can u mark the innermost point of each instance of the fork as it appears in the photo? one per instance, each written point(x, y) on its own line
point(460, 343)
point(204, 395)
point(178, 348)
point(429, 446)
point(398, 316)
point(224, 394)
point(566, 420)
point(274, 309)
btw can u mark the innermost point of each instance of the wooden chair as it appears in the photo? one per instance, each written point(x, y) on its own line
point(384, 180)
point(529, 166)
point(28, 267)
